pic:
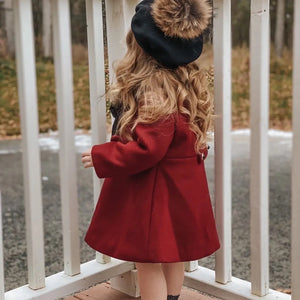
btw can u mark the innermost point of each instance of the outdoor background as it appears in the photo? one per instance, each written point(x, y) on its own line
point(11, 183)
point(280, 79)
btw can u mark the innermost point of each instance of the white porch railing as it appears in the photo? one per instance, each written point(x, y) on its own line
point(75, 276)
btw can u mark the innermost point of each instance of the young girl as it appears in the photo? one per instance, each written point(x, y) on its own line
point(154, 208)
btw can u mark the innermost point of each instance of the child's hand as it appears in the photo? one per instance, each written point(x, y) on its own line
point(86, 159)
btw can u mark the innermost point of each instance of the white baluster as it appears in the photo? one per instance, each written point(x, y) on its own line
point(97, 87)
point(118, 18)
point(222, 82)
point(30, 129)
point(191, 266)
point(259, 179)
point(296, 159)
point(65, 112)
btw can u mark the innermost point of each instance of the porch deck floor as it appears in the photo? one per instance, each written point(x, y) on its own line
point(104, 291)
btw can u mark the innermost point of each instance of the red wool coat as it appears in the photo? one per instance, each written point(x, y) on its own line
point(154, 205)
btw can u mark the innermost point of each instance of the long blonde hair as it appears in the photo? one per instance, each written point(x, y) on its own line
point(148, 92)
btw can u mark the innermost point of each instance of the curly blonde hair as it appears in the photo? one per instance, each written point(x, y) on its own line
point(148, 92)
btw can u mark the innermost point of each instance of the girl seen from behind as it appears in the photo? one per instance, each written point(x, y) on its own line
point(154, 208)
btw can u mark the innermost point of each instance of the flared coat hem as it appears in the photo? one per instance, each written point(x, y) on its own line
point(152, 260)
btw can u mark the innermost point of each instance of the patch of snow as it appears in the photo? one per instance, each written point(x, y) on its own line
point(8, 151)
point(279, 133)
point(82, 142)
point(271, 133)
point(49, 143)
point(241, 132)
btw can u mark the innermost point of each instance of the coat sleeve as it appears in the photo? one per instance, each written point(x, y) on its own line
point(149, 146)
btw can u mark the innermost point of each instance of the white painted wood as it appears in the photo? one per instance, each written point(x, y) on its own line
point(129, 10)
point(127, 283)
point(204, 280)
point(115, 32)
point(118, 17)
point(259, 170)
point(65, 111)
point(1, 255)
point(60, 284)
point(47, 29)
point(30, 129)
point(102, 258)
point(296, 159)
point(191, 266)
point(222, 71)
point(97, 87)
point(97, 77)
point(118, 20)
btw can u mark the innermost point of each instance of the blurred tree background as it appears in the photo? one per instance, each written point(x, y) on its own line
point(281, 21)
point(240, 21)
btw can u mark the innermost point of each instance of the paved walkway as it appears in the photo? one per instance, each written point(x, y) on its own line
point(104, 291)
point(11, 186)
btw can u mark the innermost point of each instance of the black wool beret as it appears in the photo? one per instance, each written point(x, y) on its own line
point(170, 52)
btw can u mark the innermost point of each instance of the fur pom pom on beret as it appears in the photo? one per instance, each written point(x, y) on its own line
point(171, 30)
point(185, 19)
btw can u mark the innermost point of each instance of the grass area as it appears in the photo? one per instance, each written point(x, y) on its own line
point(9, 108)
point(280, 89)
point(280, 93)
